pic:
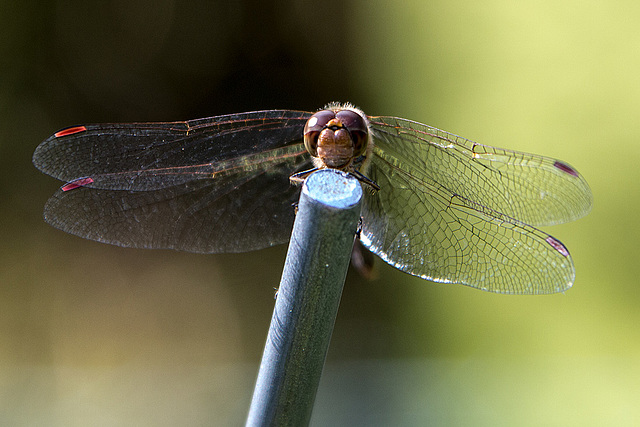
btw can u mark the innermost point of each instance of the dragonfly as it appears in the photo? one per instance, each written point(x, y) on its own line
point(436, 205)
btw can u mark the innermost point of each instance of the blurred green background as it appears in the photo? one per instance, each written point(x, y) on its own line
point(97, 335)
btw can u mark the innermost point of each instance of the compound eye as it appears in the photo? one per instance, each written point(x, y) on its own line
point(357, 128)
point(313, 127)
point(360, 140)
point(351, 120)
point(311, 142)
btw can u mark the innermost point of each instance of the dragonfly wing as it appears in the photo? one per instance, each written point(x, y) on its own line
point(422, 222)
point(424, 230)
point(229, 213)
point(103, 149)
point(219, 184)
point(534, 189)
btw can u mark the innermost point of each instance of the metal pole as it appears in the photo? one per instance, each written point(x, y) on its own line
point(307, 301)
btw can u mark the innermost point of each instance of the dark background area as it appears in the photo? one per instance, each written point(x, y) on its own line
point(91, 333)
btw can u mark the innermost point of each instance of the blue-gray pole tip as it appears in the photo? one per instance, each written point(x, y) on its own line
point(333, 188)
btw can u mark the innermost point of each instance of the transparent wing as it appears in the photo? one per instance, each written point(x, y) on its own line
point(457, 210)
point(534, 189)
point(210, 185)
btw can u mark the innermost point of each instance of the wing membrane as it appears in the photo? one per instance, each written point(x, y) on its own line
point(457, 210)
point(134, 147)
point(208, 185)
point(534, 189)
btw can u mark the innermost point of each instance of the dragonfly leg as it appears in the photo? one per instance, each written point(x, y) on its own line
point(299, 177)
point(371, 183)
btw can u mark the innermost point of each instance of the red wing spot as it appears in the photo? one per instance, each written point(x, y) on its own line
point(565, 168)
point(80, 182)
point(557, 245)
point(69, 131)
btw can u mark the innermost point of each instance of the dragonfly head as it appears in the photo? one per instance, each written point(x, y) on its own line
point(336, 136)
